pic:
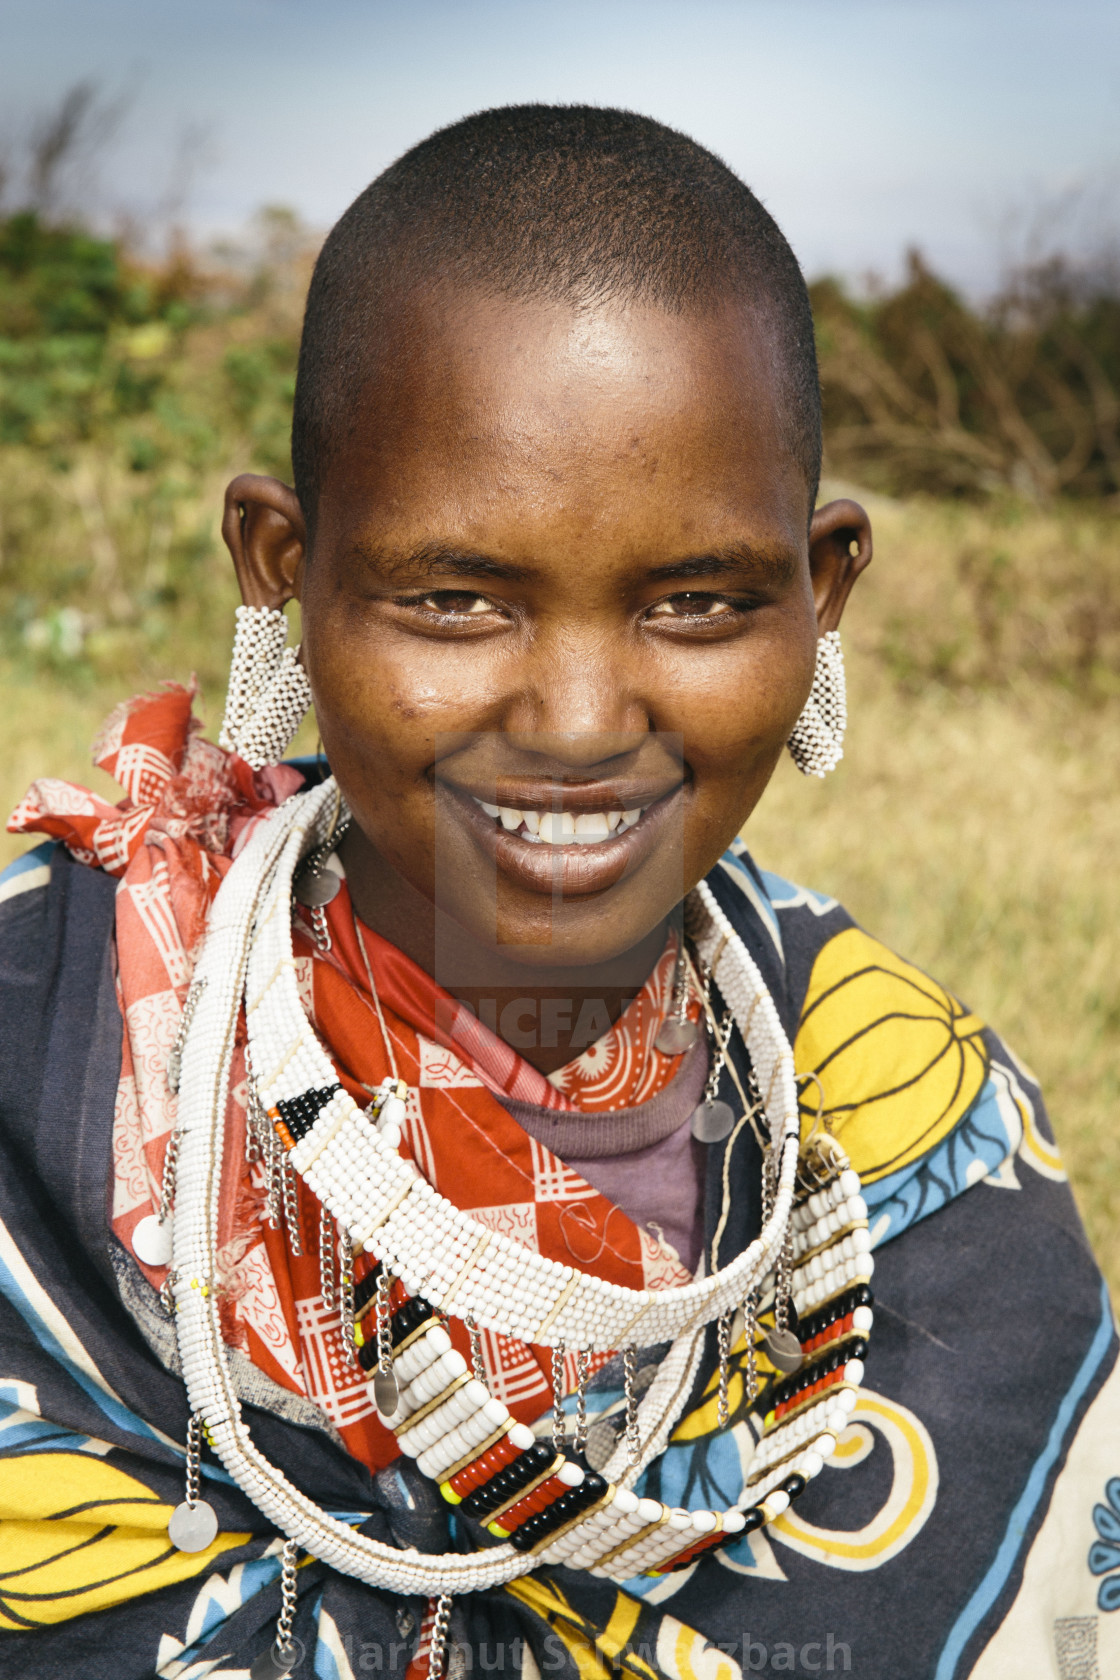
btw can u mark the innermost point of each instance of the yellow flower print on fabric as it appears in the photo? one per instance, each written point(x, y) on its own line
point(900, 1061)
point(77, 1534)
point(596, 1652)
point(637, 1641)
point(907, 1507)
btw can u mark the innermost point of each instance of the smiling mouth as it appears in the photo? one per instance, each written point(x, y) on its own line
point(578, 852)
point(561, 828)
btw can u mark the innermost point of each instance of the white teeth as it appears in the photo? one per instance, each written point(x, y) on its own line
point(552, 828)
point(562, 828)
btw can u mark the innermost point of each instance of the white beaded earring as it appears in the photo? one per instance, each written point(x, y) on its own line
point(817, 743)
point(268, 689)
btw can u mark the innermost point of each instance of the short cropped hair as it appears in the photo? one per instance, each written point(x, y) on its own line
point(570, 202)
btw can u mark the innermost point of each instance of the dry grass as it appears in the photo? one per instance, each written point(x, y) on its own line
point(975, 831)
point(973, 824)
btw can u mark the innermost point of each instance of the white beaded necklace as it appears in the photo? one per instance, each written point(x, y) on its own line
point(352, 1164)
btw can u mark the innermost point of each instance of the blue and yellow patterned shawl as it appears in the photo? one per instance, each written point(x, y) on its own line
point(969, 1524)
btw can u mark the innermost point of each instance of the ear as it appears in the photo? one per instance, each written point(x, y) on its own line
point(839, 550)
point(263, 528)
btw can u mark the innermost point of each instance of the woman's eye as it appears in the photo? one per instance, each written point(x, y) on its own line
point(456, 603)
point(692, 605)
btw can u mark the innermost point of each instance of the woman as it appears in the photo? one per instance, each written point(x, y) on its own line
point(467, 1160)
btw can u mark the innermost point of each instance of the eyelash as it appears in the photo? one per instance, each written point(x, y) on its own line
point(736, 606)
point(728, 601)
point(422, 601)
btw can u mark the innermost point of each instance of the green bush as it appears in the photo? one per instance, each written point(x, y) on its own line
point(924, 393)
point(129, 392)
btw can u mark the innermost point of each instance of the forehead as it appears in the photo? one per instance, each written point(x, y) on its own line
point(481, 410)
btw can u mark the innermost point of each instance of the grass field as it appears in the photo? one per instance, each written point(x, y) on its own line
point(973, 825)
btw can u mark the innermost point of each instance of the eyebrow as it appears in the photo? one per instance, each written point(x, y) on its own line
point(437, 560)
point(777, 564)
point(445, 560)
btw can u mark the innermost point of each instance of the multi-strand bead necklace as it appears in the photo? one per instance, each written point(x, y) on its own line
point(535, 1500)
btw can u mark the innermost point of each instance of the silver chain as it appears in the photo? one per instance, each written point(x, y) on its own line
point(170, 1169)
point(633, 1433)
point(783, 1283)
point(723, 1338)
point(478, 1364)
point(282, 1649)
point(194, 1451)
point(783, 1266)
point(258, 1130)
point(437, 1641)
point(383, 1321)
point(291, 1205)
point(328, 1246)
point(175, 1054)
point(320, 931)
point(679, 1006)
point(721, 1036)
point(346, 1303)
point(750, 1331)
point(583, 1365)
point(253, 1149)
point(270, 1153)
point(313, 865)
point(559, 1420)
point(768, 1174)
point(275, 1168)
point(167, 1291)
point(174, 1068)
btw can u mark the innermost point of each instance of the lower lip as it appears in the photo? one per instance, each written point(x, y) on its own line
point(576, 871)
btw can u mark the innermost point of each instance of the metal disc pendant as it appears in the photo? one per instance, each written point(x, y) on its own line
point(783, 1350)
point(316, 888)
point(712, 1121)
point(386, 1393)
point(277, 1662)
point(151, 1241)
point(676, 1036)
point(193, 1527)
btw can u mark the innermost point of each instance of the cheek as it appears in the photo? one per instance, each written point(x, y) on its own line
point(736, 707)
point(380, 700)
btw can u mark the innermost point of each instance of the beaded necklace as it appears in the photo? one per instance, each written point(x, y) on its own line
point(539, 1501)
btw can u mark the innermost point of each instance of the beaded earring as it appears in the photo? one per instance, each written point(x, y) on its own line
point(817, 743)
point(268, 689)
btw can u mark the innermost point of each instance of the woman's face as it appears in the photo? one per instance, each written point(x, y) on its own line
point(561, 567)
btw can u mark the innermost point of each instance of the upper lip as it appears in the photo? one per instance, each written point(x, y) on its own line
point(576, 870)
point(576, 797)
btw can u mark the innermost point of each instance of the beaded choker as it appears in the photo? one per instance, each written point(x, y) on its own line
point(540, 1502)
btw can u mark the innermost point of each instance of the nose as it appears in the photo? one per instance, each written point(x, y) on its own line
point(565, 755)
point(577, 699)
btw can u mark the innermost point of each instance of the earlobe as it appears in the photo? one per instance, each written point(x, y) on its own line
point(264, 529)
point(839, 550)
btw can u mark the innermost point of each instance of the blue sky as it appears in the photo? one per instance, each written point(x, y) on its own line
point(866, 125)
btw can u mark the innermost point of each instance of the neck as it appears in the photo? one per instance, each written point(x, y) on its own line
point(549, 1014)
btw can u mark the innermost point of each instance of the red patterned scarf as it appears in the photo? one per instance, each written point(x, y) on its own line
point(189, 808)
